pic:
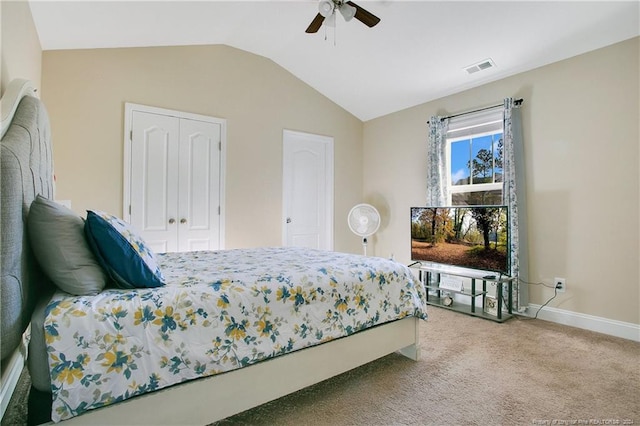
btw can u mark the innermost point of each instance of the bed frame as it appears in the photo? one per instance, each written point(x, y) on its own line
point(204, 400)
point(214, 398)
point(19, 149)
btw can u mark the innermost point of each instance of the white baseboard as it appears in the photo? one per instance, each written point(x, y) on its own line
point(626, 330)
point(11, 372)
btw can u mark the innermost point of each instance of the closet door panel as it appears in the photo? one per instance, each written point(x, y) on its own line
point(154, 182)
point(199, 185)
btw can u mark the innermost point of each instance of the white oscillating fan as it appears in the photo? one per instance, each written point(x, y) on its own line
point(364, 221)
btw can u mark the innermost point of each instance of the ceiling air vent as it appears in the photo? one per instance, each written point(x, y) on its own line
point(480, 66)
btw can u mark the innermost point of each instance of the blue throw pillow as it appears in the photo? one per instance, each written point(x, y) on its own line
point(121, 251)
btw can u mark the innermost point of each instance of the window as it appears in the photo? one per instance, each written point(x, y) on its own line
point(475, 158)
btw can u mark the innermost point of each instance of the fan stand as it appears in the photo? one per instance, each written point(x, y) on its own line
point(364, 221)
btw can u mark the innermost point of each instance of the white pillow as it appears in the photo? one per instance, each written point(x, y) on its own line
point(57, 238)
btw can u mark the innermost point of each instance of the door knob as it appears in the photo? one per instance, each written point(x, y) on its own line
point(183, 220)
point(288, 220)
point(172, 221)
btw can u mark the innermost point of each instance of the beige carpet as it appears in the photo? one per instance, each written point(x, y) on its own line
point(477, 372)
point(473, 372)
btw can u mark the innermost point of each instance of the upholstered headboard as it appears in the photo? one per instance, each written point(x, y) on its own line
point(26, 170)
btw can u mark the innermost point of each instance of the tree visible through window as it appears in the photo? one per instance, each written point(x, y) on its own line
point(476, 169)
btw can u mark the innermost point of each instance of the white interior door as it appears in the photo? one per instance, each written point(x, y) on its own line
point(174, 178)
point(307, 190)
point(199, 195)
point(154, 179)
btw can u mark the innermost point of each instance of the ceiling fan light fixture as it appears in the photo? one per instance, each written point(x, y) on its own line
point(330, 21)
point(326, 7)
point(327, 14)
point(347, 11)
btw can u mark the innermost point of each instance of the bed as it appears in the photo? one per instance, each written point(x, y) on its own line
point(218, 333)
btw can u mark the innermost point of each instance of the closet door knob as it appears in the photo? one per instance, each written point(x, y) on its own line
point(183, 220)
point(172, 221)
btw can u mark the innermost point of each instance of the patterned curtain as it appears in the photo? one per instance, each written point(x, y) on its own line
point(514, 197)
point(437, 187)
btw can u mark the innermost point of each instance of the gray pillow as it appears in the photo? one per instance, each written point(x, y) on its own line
point(57, 237)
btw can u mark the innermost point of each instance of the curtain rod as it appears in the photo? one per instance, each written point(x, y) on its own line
point(517, 102)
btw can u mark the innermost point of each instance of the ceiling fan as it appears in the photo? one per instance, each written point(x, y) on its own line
point(347, 9)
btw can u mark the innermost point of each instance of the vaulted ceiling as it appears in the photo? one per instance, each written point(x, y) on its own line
point(417, 53)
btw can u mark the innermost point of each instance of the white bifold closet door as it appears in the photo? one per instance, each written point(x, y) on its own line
point(175, 182)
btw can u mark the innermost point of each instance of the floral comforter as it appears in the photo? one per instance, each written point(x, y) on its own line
point(219, 311)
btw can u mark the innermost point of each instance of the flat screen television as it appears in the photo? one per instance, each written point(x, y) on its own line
point(474, 237)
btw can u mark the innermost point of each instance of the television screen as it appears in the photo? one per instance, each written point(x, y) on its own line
point(473, 237)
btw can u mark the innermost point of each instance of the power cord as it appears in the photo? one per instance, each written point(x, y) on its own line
point(555, 294)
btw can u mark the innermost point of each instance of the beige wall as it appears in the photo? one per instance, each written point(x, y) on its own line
point(21, 55)
point(581, 132)
point(85, 92)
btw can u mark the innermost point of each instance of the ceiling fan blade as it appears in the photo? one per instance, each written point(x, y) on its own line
point(315, 24)
point(364, 16)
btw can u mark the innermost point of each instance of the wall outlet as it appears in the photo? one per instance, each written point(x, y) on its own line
point(561, 285)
